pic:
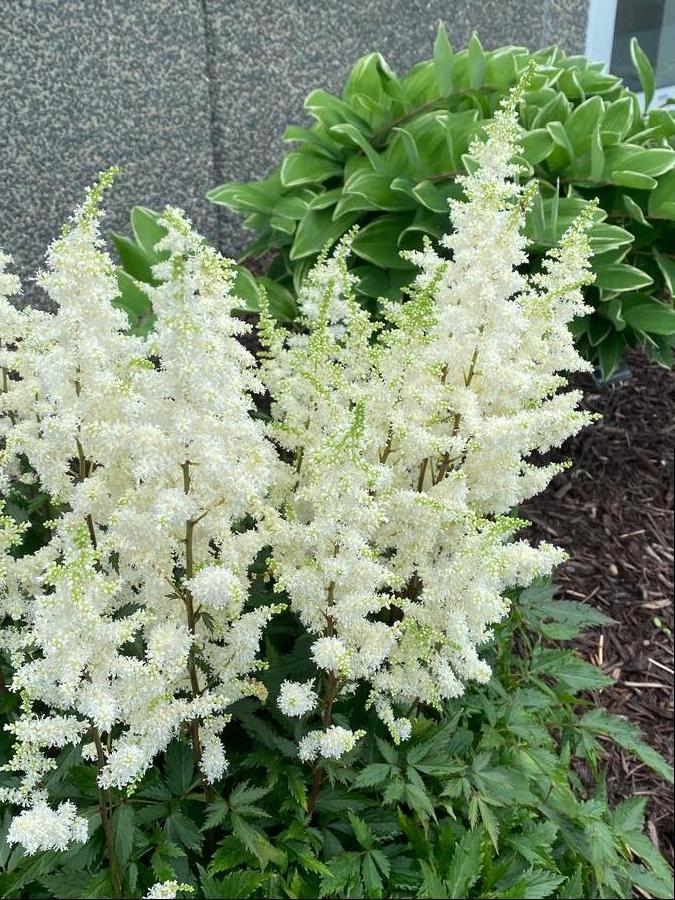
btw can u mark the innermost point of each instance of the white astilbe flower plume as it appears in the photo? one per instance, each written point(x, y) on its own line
point(152, 460)
point(395, 544)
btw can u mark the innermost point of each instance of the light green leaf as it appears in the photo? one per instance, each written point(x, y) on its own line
point(621, 277)
point(610, 353)
point(667, 266)
point(306, 168)
point(635, 211)
point(597, 155)
point(477, 62)
point(644, 69)
point(662, 198)
point(583, 121)
point(536, 144)
point(378, 242)
point(318, 228)
point(651, 317)
point(443, 61)
point(559, 135)
point(630, 179)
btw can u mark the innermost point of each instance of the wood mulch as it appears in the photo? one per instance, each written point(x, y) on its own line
point(613, 513)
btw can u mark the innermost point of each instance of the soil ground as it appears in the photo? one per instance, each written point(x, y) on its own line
point(613, 512)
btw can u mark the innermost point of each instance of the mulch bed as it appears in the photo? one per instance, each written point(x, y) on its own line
point(613, 512)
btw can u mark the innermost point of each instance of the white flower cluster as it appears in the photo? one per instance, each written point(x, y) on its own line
point(390, 531)
point(128, 627)
point(394, 540)
point(167, 890)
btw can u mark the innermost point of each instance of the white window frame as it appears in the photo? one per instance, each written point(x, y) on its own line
point(600, 40)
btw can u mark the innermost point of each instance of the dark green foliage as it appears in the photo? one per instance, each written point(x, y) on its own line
point(500, 794)
point(385, 156)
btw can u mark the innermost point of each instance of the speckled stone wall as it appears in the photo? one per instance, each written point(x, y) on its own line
point(187, 94)
point(88, 83)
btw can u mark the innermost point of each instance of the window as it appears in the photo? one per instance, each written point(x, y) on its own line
point(612, 24)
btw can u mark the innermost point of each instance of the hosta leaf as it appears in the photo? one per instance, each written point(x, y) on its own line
point(621, 277)
point(147, 231)
point(378, 242)
point(443, 61)
point(260, 196)
point(318, 228)
point(536, 144)
point(667, 266)
point(618, 117)
point(662, 198)
point(135, 303)
point(651, 317)
point(583, 121)
point(560, 138)
point(330, 110)
point(634, 210)
point(631, 179)
point(246, 288)
point(476, 62)
point(644, 70)
point(307, 168)
point(133, 258)
point(610, 353)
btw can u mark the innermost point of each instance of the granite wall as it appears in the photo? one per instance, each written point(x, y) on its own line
point(185, 94)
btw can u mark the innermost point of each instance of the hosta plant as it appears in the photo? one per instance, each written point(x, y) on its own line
point(387, 153)
point(262, 644)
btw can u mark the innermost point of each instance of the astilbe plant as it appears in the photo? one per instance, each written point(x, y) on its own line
point(378, 500)
point(394, 541)
point(128, 626)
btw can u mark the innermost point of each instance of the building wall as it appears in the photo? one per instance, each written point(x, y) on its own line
point(185, 94)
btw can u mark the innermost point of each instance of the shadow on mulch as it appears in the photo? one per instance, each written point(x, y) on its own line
point(613, 512)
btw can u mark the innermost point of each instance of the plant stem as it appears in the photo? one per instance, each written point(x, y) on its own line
point(105, 812)
point(327, 713)
point(192, 626)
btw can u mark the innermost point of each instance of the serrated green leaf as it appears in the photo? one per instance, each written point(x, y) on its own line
point(123, 833)
point(628, 736)
point(180, 768)
point(236, 885)
point(466, 864)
